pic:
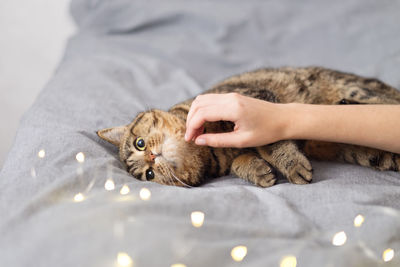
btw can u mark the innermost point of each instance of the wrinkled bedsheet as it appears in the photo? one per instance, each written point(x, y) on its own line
point(133, 55)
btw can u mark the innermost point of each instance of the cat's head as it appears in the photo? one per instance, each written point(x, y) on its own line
point(154, 149)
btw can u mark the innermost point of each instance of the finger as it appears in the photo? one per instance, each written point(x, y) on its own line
point(230, 139)
point(202, 101)
point(198, 132)
point(196, 104)
point(209, 113)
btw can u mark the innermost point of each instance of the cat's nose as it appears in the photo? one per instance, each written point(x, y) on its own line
point(153, 156)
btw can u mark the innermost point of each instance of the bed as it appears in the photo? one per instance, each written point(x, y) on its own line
point(66, 200)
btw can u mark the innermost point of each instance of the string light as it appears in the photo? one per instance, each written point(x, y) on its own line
point(288, 261)
point(358, 220)
point(388, 255)
point(109, 185)
point(197, 218)
point(41, 153)
point(124, 260)
point(339, 239)
point(79, 197)
point(80, 157)
point(238, 253)
point(178, 265)
point(145, 193)
point(124, 190)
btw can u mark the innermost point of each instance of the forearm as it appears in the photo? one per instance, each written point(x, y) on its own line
point(376, 126)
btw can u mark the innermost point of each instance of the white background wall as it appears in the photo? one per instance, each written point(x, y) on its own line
point(33, 35)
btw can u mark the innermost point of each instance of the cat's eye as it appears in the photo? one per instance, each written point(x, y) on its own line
point(140, 144)
point(343, 102)
point(149, 174)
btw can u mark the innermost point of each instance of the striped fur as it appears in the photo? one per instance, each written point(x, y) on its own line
point(180, 163)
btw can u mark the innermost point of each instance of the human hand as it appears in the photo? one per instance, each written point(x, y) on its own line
point(257, 122)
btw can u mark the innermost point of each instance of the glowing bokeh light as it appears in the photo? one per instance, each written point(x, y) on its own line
point(145, 193)
point(388, 254)
point(288, 261)
point(124, 260)
point(197, 218)
point(339, 239)
point(41, 154)
point(358, 220)
point(178, 265)
point(79, 197)
point(238, 253)
point(80, 157)
point(124, 190)
point(109, 185)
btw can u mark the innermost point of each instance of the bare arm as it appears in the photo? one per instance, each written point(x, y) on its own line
point(259, 122)
point(376, 126)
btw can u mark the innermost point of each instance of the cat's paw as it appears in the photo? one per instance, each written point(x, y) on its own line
point(299, 170)
point(264, 175)
point(254, 169)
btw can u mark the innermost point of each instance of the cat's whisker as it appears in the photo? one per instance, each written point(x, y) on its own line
point(179, 180)
point(170, 181)
point(166, 178)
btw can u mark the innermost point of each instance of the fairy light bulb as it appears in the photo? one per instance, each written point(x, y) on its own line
point(197, 218)
point(358, 220)
point(109, 185)
point(388, 255)
point(238, 253)
point(79, 197)
point(178, 265)
point(41, 153)
point(80, 157)
point(124, 260)
point(339, 239)
point(288, 261)
point(124, 190)
point(145, 193)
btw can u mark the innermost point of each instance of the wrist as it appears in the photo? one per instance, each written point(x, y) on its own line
point(295, 118)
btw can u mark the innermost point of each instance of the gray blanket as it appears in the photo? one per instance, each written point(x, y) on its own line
point(133, 55)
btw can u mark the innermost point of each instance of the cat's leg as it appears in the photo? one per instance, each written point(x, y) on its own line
point(364, 156)
point(252, 168)
point(286, 157)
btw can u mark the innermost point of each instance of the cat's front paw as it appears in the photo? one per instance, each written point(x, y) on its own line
point(299, 170)
point(266, 181)
point(254, 169)
point(264, 175)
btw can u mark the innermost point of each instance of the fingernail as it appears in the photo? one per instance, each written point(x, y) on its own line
point(200, 141)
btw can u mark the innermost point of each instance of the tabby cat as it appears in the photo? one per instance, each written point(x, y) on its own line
point(153, 146)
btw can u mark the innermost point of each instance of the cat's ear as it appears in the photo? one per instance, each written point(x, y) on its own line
point(113, 135)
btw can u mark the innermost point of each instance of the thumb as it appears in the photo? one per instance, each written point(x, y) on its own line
point(230, 139)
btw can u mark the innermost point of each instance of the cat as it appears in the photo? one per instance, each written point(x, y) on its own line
point(153, 146)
